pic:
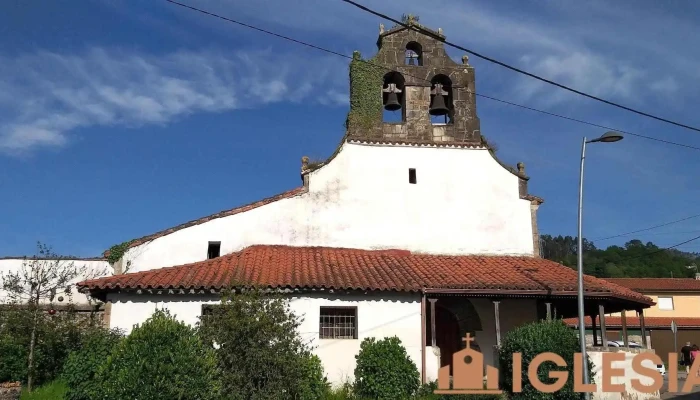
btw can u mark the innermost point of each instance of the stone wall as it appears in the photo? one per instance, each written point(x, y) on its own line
point(10, 391)
point(464, 125)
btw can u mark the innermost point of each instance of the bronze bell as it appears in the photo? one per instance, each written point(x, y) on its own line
point(437, 103)
point(392, 99)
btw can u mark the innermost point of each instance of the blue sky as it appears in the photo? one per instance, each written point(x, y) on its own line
point(122, 118)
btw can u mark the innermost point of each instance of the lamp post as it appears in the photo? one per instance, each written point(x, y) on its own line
point(608, 137)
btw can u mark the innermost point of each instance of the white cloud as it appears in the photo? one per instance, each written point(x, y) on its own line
point(583, 45)
point(582, 71)
point(46, 95)
point(667, 85)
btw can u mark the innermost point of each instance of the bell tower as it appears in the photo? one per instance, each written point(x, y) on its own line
point(412, 91)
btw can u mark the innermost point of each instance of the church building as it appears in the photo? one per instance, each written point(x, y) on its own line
point(412, 228)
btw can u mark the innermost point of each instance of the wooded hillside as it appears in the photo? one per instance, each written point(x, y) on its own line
point(635, 260)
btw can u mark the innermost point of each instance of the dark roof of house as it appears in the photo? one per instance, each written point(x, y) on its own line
point(658, 284)
point(284, 267)
point(66, 258)
point(633, 322)
point(221, 214)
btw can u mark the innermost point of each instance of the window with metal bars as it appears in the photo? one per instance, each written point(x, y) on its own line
point(338, 323)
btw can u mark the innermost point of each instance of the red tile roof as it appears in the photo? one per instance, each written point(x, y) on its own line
point(221, 214)
point(350, 269)
point(633, 322)
point(657, 284)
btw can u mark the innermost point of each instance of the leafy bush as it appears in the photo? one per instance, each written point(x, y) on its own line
point(533, 339)
point(260, 354)
point(80, 369)
point(56, 336)
point(161, 359)
point(384, 371)
point(314, 383)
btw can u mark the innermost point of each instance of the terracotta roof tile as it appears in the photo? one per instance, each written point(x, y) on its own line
point(221, 214)
point(340, 268)
point(633, 322)
point(655, 284)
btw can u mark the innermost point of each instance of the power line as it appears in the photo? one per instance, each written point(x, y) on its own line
point(666, 233)
point(313, 46)
point(589, 123)
point(518, 70)
point(649, 228)
point(659, 250)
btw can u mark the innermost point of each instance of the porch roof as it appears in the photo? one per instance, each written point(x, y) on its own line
point(633, 322)
point(286, 267)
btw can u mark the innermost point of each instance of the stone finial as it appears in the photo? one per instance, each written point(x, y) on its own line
point(521, 168)
point(381, 28)
point(465, 59)
point(439, 31)
point(356, 55)
point(304, 163)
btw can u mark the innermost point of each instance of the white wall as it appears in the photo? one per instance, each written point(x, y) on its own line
point(91, 269)
point(464, 202)
point(379, 316)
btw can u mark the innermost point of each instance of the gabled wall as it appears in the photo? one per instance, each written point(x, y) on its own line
point(92, 269)
point(464, 202)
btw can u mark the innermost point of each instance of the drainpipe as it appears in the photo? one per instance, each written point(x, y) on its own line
point(422, 336)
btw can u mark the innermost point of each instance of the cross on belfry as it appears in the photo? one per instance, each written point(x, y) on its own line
point(468, 339)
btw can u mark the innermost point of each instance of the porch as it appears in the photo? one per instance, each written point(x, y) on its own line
point(448, 315)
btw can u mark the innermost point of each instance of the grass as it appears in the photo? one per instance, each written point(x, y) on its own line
point(51, 391)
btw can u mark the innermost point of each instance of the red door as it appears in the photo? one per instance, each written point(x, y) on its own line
point(447, 336)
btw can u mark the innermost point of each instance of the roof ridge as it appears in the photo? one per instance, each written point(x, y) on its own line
point(221, 214)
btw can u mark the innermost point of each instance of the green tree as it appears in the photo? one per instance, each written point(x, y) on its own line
point(26, 328)
point(531, 340)
point(635, 259)
point(259, 352)
point(161, 359)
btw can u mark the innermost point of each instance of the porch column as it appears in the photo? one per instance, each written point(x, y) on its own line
point(432, 322)
point(549, 311)
point(496, 303)
point(623, 321)
point(603, 331)
point(594, 316)
point(422, 338)
point(643, 328)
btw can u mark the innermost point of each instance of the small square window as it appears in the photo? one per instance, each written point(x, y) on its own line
point(338, 323)
point(665, 303)
point(412, 176)
point(214, 250)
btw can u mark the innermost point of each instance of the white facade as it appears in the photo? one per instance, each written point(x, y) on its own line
point(89, 269)
point(464, 202)
point(378, 315)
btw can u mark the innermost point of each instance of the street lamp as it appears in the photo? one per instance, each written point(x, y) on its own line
point(608, 137)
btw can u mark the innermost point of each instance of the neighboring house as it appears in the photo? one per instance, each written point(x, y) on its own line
point(412, 228)
point(88, 267)
point(677, 300)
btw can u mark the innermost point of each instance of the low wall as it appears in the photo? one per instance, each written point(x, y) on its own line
point(596, 357)
point(10, 390)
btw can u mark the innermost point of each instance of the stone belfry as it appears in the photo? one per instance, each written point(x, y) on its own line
point(430, 95)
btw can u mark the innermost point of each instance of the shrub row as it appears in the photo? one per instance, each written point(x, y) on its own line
point(248, 348)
